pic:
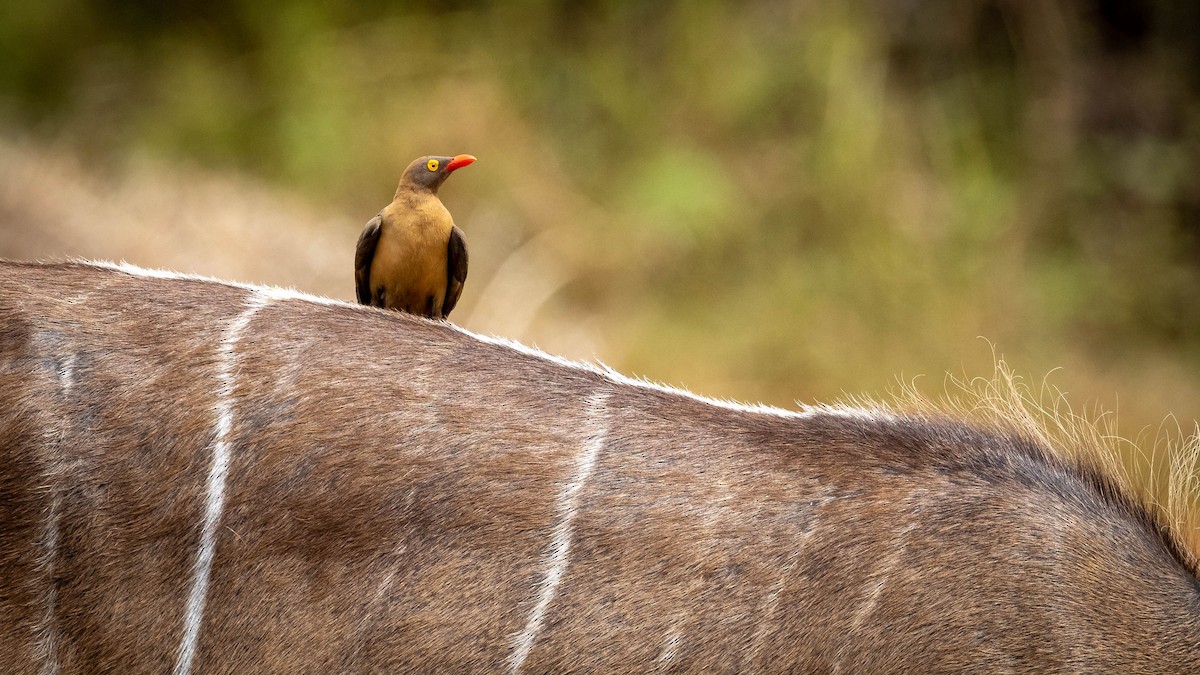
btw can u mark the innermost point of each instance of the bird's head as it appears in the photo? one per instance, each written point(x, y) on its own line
point(428, 173)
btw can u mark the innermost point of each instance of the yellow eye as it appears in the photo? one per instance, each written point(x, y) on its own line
point(432, 164)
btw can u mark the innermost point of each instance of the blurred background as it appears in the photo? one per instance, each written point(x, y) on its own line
point(765, 201)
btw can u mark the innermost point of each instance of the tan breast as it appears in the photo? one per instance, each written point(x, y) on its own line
point(410, 258)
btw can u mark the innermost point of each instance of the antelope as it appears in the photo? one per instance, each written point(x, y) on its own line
point(200, 476)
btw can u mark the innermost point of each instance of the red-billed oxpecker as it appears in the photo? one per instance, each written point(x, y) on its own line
point(410, 256)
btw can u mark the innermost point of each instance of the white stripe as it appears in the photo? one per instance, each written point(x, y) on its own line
point(47, 644)
point(361, 631)
point(560, 546)
point(772, 599)
point(66, 374)
point(216, 478)
point(670, 647)
point(874, 586)
point(47, 627)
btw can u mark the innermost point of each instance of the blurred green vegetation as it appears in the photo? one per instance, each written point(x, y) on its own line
point(757, 200)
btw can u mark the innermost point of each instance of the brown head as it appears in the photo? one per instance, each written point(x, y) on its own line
point(426, 174)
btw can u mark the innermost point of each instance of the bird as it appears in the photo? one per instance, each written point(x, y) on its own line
point(411, 256)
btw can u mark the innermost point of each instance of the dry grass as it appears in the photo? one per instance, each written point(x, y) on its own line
point(1161, 471)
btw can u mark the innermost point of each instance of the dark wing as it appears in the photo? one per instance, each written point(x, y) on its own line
point(456, 269)
point(364, 253)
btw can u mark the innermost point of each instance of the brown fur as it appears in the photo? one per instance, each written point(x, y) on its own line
point(397, 491)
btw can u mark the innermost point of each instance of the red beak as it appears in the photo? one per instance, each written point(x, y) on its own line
point(459, 162)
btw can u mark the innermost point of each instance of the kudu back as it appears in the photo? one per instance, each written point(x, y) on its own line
point(204, 477)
